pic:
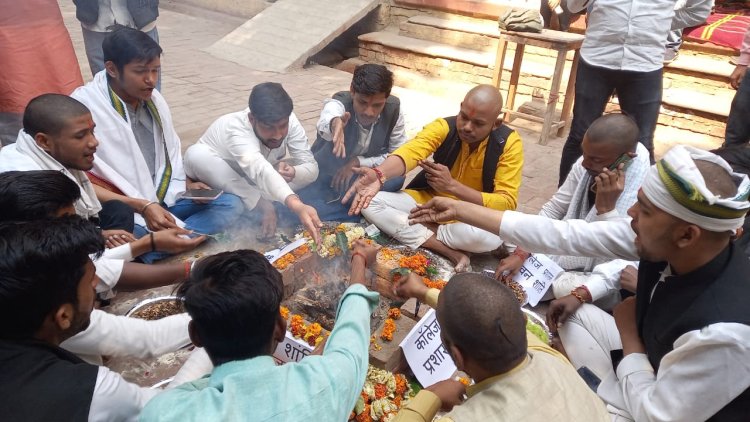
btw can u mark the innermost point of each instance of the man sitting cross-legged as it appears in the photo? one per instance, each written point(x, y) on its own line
point(243, 153)
point(357, 128)
point(58, 134)
point(139, 160)
point(517, 376)
point(476, 158)
point(234, 299)
point(46, 296)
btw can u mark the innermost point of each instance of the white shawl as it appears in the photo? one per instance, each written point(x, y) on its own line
point(119, 160)
point(26, 155)
point(580, 209)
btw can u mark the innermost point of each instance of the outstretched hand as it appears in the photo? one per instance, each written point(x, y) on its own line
point(436, 210)
point(337, 134)
point(362, 190)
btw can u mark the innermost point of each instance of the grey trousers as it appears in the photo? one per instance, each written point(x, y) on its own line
point(92, 40)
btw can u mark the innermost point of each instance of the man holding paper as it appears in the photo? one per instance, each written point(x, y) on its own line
point(517, 377)
point(685, 337)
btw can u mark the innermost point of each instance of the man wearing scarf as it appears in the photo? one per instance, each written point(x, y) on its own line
point(685, 338)
point(139, 159)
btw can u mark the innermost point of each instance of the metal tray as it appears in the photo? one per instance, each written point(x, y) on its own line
point(140, 305)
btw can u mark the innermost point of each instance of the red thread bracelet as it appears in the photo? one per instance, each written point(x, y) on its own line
point(188, 267)
point(359, 254)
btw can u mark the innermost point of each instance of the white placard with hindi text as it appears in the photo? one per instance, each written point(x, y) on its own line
point(275, 254)
point(425, 353)
point(536, 276)
point(291, 349)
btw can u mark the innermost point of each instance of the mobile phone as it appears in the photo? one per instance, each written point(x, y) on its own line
point(589, 378)
point(202, 194)
point(624, 158)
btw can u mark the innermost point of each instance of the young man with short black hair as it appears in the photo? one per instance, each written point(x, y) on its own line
point(243, 153)
point(357, 128)
point(139, 160)
point(45, 194)
point(234, 299)
point(46, 296)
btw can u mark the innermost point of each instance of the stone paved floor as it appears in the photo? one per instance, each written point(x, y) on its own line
point(199, 88)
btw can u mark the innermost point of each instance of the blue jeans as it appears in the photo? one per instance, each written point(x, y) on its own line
point(318, 193)
point(640, 98)
point(210, 218)
point(738, 123)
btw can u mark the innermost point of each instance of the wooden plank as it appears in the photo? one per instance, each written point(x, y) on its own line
point(513, 85)
point(549, 114)
point(570, 93)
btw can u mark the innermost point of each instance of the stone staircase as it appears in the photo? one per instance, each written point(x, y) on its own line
point(446, 53)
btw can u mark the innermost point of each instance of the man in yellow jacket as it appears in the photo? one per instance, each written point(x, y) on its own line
point(476, 158)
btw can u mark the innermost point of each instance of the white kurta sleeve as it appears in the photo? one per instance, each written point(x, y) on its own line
point(707, 369)
point(115, 399)
point(305, 166)
point(331, 109)
point(558, 205)
point(600, 239)
point(109, 271)
point(244, 148)
point(121, 336)
point(605, 277)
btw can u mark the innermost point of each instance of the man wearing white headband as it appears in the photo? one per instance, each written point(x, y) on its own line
point(680, 350)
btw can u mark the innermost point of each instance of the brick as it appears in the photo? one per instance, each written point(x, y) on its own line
point(390, 356)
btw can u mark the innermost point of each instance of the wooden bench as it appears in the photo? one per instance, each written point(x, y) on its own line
point(562, 42)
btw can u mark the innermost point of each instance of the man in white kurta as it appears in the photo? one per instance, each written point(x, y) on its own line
point(245, 153)
point(685, 339)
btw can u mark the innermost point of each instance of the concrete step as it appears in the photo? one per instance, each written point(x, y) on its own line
point(690, 103)
point(482, 35)
point(288, 32)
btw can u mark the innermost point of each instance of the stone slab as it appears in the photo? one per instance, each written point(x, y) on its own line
point(389, 356)
point(287, 33)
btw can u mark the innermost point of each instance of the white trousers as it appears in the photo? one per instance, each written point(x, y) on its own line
point(204, 164)
point(589, 335)
point(389, 211)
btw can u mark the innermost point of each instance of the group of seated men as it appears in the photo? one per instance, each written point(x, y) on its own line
point(71, 224)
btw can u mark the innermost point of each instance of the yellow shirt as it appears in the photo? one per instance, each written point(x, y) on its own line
point(468, 166)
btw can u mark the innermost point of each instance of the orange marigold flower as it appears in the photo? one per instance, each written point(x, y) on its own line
point(388, 329)
point(417, 263)
point(394, 313)
point(297, 326)
point(401, 386)
point(284, 262)
point(434, 284)
point(300, 251)
point(312, 333)
point(284, 311)
point(365, 415)
point(380, 391)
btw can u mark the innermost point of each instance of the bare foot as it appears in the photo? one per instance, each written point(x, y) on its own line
point(459, 259)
